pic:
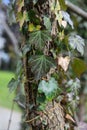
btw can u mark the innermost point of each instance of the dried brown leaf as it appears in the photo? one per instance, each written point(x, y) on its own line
point(68, 116)
point(64, 62)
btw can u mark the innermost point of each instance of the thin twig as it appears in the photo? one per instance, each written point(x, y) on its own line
point(20, 104)
point(10, 119)
point(32, 119)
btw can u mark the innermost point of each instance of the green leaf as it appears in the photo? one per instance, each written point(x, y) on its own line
point(39, 38)
point(78, 66)
point(26, 49)
point(41, 99)
point(76, 42)
point(32, 17)
point(19, 68)
point(75, 84)
point(40, 65)
point(13, 84)
point(47, 23)
point(49, 88)
point(35, 1)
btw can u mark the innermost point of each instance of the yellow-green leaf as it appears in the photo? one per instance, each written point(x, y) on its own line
point(32, 27)
point(62, 4)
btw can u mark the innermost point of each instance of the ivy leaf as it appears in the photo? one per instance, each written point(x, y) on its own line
point(39, 38)
point(74, 85)
point(78, 66)
point(49, 88)
point(35, 1)
point(32, 17)
point(40, 65)
point(26, 49)
point(32, 27)
point(76, 42)
point(67, 18)
point(13, 84)
point(19, 68)
point(47, 23)
point(64, 62)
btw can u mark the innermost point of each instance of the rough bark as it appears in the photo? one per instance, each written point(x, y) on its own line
point(52, 118)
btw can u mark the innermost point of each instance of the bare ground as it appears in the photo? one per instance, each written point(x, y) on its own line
point(5, 117)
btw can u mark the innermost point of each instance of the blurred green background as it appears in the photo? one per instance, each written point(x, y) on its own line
point(6, 98)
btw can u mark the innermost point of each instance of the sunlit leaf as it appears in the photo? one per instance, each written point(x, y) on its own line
point(64, 23)
point(39, 38)
point(49, 88)
point(67, 18)
point(64, 62)
point(78, 66)
point(76, 42)
point(40, 65)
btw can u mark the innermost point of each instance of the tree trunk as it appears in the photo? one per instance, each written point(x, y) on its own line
point(52, 118)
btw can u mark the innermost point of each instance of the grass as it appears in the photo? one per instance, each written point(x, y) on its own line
point(6, 98)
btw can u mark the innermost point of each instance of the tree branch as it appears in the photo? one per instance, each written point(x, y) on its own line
point(11, 36)
point(76, 9)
